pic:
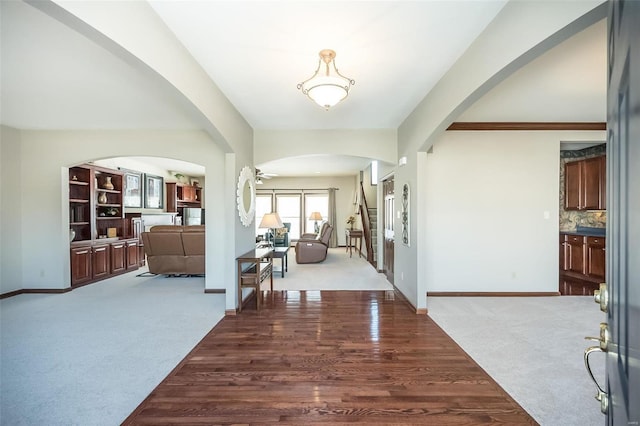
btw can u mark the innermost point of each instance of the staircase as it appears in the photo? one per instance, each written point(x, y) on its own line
point(373, 218)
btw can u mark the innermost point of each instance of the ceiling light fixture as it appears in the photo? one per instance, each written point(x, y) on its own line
point(327, 87)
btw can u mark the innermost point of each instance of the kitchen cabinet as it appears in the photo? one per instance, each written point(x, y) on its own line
point(595, 258)
point(582, 263)
point(574, 254)
point(180, 196)
point(585, 184)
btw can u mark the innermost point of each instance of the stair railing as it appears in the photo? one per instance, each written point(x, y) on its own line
point(366, 225)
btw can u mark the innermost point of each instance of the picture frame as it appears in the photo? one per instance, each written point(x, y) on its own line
point(132, 188)
point(406, 199)
point(153, 192)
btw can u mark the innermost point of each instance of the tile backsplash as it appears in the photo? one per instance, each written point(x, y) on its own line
point(570, 219)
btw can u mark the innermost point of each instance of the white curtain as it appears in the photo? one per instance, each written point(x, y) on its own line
point(333, 241)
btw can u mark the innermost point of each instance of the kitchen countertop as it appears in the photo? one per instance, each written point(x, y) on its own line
point(586, 231)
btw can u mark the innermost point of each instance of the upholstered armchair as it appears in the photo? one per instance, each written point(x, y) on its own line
point(281, 236)
point(312, 248)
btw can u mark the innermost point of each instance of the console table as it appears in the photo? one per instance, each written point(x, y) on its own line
point(254, 267)
point(353, 234)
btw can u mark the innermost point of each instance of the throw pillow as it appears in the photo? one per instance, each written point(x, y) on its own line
point(281, 232)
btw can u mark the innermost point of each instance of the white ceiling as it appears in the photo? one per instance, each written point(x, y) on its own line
point(256, 52)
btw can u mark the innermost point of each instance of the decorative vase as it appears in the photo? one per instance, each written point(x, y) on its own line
point(108, 184)
point(72, 234)
point(102, 198)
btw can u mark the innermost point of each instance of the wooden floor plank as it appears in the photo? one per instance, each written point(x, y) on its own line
point(328, 357)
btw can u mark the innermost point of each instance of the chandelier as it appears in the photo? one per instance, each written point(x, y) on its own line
point(327, 86)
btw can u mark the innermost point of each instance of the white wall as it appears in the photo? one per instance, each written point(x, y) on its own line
point(344, 195)
point(379, 144)
point(10, 210)
point(521, 32)
point(492, 212)
point(43, 184)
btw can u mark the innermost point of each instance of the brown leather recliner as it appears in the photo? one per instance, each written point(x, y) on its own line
point(175, 250)
point(312, 248)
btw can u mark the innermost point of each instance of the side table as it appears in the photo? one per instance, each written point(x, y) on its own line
point(353, 234)
point(281, 253)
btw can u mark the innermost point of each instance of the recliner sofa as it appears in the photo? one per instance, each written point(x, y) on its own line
point(312, 248)
point(175, 250)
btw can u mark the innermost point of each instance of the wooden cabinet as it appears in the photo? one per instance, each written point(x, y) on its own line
point(118, 257)
point(81, 265)
point(132, 254)
point(100, 256)
point(137, 229)
point(582, 264)
point(585, 184)
point(574, 254)
point(595, 258)
point(97, 224)
point(180, 196)
point(80, 197)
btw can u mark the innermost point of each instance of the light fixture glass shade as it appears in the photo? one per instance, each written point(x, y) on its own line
point(327, 86)
point(271, 220)
point(315, 216)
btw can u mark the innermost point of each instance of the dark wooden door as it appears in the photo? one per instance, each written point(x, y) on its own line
point(389, 236)
point(591, 187)
point(132, 255)
point(100, 257)
point(80, 265)
point(572, 185)
point(596, 257)
point(575, 253)
point(603, 182)
point(623, 217)
point(118, 258)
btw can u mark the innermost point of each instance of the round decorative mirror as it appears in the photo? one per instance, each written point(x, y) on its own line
point(246, 196)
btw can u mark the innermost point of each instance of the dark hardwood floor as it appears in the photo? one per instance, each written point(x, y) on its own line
point(328, 357)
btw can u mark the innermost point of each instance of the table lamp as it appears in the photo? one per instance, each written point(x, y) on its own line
point(271, 221)
point(315, 216)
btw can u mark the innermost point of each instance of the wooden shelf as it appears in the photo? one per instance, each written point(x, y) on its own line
point(95, 257)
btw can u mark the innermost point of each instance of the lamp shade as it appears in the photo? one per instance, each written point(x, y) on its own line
point(315, 216)
point(327, 86)
point(271, 220)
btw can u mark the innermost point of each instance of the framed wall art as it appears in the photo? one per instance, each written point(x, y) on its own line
point(132, 188)
point(153, 194)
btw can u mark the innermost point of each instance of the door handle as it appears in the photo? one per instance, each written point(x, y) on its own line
point(601, 395)
point(601, 297)
point(603, 346)
point(605, 337)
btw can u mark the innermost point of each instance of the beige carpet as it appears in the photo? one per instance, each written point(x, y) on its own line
point(337, 272)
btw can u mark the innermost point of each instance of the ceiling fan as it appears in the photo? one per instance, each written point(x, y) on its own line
point(262, 175)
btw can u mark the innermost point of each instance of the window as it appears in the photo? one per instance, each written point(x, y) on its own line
point(288, 207)
point(315, 203)
point(264, 205)
point(374, 173)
